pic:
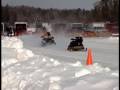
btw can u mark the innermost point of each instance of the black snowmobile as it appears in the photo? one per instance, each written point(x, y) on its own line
point(76, 45)
point(47, 40)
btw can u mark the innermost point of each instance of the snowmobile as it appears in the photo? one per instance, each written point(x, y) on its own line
point(76, 45)
point(47, 41)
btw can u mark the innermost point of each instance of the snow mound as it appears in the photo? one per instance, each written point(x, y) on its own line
point(54, 86)
point(10, 81)
point(24, 54)
point(77, 64)
point(97, 68)
point(8, 62)
point(12, 42)
point(54, 79)
point(40, 72)
point(91, 69)
point(82, 73)
point(13, 51)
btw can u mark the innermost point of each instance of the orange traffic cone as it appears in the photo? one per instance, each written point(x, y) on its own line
point(89, 57)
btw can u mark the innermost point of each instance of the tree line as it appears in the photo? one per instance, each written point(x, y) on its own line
point(104, 10)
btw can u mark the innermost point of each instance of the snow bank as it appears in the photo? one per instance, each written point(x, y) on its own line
point(42, 73)
point(13, 51)
point(10, 81)
point(39, 72)
point(54, 79)
point(92, 69)
point(12, 42)
point(24, 54)
point(82, 73)
point(77, 64)
point(7, 62)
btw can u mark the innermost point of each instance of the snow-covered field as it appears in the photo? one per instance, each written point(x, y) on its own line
point(28, 66)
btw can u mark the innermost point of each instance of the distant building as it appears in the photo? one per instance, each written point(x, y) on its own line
point(112, 27)
point(31, 28)
point(20, 27)
point(96, 26)
point(77, 26)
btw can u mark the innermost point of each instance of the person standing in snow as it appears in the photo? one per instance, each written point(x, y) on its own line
point(9, 31)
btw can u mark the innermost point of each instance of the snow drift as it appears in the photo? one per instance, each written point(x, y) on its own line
point(13, 51)
point(24, 70)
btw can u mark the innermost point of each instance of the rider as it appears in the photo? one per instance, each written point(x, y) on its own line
point(79, 40)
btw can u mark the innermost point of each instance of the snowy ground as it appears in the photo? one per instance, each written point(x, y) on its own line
point(28, 66)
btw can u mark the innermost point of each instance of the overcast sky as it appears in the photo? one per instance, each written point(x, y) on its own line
point(60, 4)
